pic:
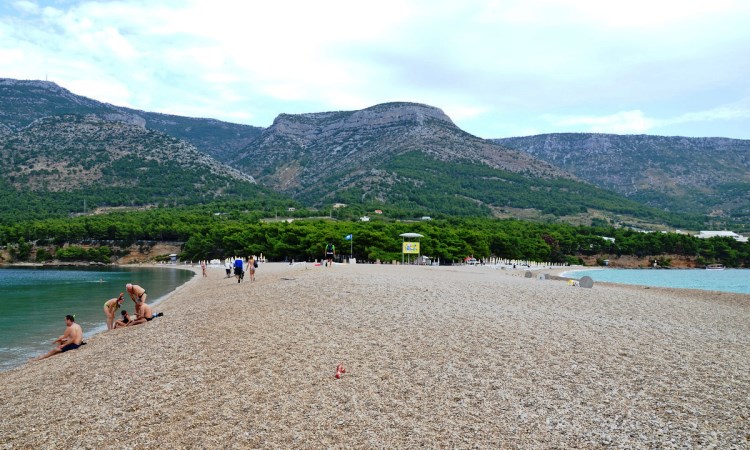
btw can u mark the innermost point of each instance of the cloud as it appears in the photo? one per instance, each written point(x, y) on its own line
point(629, 122)
point(720, 113)
point(26, 6)
point(535, 64)
point(623, 122)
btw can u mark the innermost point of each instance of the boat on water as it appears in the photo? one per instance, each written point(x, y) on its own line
point(715, 267)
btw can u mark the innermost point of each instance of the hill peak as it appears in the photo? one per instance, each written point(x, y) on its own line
point(30, 83)
point(383, 114)
point(408, 111)
point(35, 86)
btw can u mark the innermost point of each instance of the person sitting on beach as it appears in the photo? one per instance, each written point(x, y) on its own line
point(137, 294)
point(110, 306)
point(70, 340)
point(146, 314)
point(124, 321)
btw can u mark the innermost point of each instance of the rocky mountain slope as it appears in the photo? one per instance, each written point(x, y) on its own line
point(701, 175)
point(412, 157)
point(408, 158)
point(307, 155)
point(24, 101)
point(297, 151)
point(57, 161)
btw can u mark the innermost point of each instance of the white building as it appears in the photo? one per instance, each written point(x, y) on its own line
point(731, 234)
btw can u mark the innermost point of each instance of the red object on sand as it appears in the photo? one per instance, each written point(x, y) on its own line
point(339, 371)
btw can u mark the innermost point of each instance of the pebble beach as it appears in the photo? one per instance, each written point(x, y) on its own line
point(436, 357)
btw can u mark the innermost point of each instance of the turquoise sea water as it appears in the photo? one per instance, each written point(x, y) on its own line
point(729, 280)
point(34, 302)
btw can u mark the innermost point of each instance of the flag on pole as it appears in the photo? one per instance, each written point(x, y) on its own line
point(348, 237)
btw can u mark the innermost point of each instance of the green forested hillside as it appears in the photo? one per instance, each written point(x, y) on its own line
point(417, 185)
point(412, 160)
point(406, 158)
point(55, 164)
point(706, 176)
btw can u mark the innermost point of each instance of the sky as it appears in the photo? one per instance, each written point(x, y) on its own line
point(497, 68)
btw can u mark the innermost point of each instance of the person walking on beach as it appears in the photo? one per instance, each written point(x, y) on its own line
point(203, 268)
point(137, 294)
point(252, 264)
point(110, 306)
point(330, 254)
point(228, 268)
point(238, 269)
point(70, 340)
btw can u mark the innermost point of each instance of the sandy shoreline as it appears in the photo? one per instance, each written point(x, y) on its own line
point(436, 356)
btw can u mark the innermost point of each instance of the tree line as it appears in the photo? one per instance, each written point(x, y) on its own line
point(209, 232)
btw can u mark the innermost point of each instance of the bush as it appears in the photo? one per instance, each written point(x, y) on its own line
point(76, 253)
point(43, 255)
point(574, 261)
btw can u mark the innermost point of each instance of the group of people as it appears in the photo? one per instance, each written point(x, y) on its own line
point(241, 266)
point(143, 312)
point(73, 336)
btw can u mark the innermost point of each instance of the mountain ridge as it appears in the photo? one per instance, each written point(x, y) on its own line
point(55, 163)
point(324, 141)
point(702, 175)
point(36, 99)
point(410, 158)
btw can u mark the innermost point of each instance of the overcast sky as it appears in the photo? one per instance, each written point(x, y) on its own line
point(498, 68)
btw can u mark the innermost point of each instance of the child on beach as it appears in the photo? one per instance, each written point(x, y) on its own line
point(124, 321)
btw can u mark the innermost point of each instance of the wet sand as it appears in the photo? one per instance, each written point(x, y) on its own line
point(466, 357)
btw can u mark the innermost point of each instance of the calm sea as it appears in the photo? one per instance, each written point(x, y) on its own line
point(729, 280)
point(34, 302)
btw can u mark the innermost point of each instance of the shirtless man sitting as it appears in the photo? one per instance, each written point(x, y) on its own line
point(137, 294)
point(70, 340)
point(145, 314)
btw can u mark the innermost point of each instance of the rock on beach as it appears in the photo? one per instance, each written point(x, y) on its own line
point(445, 357)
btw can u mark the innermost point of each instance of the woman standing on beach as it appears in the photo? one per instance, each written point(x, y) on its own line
point(110, 306)
point(252, 264)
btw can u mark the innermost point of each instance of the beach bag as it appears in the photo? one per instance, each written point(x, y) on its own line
point(255, 263)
